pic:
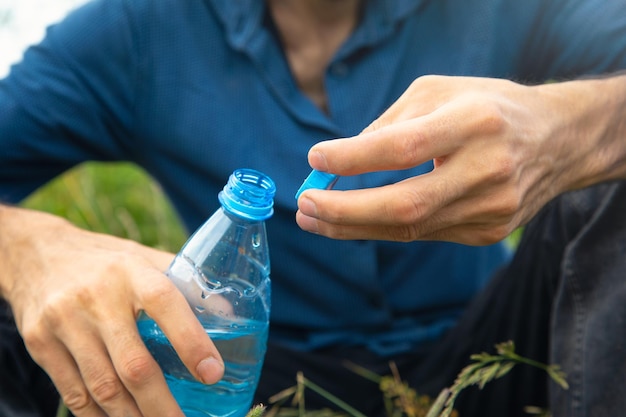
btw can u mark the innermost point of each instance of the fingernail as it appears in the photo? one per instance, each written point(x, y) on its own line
point(307, 207)
point(306, 223)
point(210, 370)
point(318, 161)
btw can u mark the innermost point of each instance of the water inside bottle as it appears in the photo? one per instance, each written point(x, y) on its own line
point(235, 316)
point(243, 350)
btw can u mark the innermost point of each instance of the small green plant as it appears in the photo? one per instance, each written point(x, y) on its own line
point(399, 398)
point(298, 405)
point(486, 368)
point(256, 411)
point(403, 401)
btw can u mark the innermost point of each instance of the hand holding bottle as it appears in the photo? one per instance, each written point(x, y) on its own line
point(75, 302)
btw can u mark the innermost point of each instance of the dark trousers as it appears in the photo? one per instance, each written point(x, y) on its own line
point(562, 300)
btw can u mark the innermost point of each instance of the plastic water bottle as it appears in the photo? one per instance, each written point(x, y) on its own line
point(223, 271)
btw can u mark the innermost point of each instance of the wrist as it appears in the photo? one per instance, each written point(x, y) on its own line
point(588, 130)
point(22, 234)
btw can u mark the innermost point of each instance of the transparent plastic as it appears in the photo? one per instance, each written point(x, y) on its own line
point(224, 272)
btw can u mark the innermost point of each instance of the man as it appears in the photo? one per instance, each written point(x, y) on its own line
point(191, 90)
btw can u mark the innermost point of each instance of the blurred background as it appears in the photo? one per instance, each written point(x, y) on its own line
point(23, 22)
point(119, 198)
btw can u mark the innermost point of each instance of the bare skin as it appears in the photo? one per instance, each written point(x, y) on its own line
point(311, 32)
point(76, 294)
point(501, 151)
point(75, 298)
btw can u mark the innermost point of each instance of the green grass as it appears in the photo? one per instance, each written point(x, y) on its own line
point(118, 199)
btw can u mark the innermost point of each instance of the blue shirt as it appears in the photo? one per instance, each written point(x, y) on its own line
point(193, 89)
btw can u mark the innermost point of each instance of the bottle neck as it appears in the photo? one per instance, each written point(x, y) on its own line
point(249, 195)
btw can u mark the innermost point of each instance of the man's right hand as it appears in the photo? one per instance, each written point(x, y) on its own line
point(76, 295)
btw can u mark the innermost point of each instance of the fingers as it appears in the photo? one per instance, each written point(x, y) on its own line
point(158, 258)
point(65, 375)
point(469, 233)
point(422, 97)
point(398, 146)
point(162, 301)
point(105, 389)
point(82, 371)
point(137, 370)
point(102, 366)
point(409, 143)
point(80, 326)
point(121, 378)
point(428, 207)
point(169, 308)
point(484, 159)
point(394, 212)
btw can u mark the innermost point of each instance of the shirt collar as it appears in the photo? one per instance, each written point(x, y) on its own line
point(246, 31)
point(243, 18)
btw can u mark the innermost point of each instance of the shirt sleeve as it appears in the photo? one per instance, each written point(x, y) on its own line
point(70, 99)
point(573, 38)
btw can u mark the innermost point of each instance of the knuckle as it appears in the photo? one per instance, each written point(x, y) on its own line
point(55, 311)
point(403, 234)
point(76, 399)
point(408, 215)
point(408, 209)
point(59, 310)
point(502, 168)
point(491, 118)
point(508, 207)
point(504, 208)
point(333, 231)
point(498, 166)
point(136, 369)
point(375, 125)
point(416, 85)
point(492, 235)
point(34, 336)
point(106, 389)
point(408, 149)
point(159, 293)
point(118, 262)
point(425, 81)
point(405, 211)
point(498, 219)
point(38, 329)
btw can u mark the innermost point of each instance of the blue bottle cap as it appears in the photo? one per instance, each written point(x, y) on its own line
point(319, 180)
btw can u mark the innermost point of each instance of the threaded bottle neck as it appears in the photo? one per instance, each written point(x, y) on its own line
point(248, 194)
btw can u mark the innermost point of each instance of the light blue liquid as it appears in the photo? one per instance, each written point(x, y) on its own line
point(242, 348)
